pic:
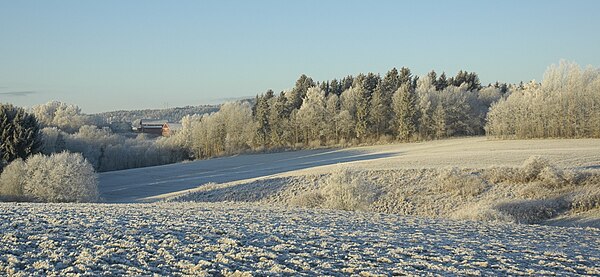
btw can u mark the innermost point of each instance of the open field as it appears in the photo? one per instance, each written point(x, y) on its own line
point(246, 215)
point(478, 152)
point(219, 239)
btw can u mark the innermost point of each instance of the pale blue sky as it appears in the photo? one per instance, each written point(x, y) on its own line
point(109, 55)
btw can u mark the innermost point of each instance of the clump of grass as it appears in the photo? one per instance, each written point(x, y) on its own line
point(460, 183)
point(587, 199)
point(532, 211)
point(343, 190)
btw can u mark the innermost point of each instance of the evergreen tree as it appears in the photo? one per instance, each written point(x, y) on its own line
point(277, 119)
point(325, 87)
point(379, 113)
point(390, 83)
point(405, 76)
point(404, 101)
point(261, 117)
point(371, 82)
point(19, 134)
point(442, 82)
point(335, 87)
point(346, 83)
point(299, 92)
point(432, 77)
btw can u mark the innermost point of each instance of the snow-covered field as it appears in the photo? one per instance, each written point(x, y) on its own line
point(148, 184)
point(219, 239)
point(251, 225)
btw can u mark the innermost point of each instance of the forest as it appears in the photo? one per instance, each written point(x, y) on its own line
point(353, 110)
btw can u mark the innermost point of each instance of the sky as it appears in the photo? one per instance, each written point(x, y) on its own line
point(113, 55)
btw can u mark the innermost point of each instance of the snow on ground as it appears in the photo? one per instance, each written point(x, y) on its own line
point(214, 239)
point(152, 183)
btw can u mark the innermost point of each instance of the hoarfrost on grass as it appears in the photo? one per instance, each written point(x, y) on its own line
point(205, 239)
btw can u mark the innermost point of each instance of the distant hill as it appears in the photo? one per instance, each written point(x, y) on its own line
point(171, 114)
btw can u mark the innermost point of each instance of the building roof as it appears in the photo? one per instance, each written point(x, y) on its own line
point(152, 122)
point(174, 126)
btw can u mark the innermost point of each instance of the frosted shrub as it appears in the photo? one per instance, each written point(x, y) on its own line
point(312, 199)
point(536, 170)
point(63, 177)
point(587, 199)
point(553, 178)
point(497, 174)
point(11, 181)
point(459, 183)
point(532, 211)
point(532, 167)
point(480, 212)
point(345, 190)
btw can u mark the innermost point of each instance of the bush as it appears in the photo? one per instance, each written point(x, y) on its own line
point(587, 199)
point(312, 199)
point(346, 190)
point(63, 177)
point(11, 181)
point(532, 211)
point(342, 190)
point(532, 168)
point(481, 212)
point(459, 183)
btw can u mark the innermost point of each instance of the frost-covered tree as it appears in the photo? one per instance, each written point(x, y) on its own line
point(332, 108)
point(404, 104)
point(261, 116)
point(390, 83)
point(61, 177)
point(565, 105)
point(438, 120)
point(362, 97)
point(228, 131)
point(313, 115)
point(296, 95)
point(278, 121)
point(12, 180)
point(380, 113)
point(65, 116)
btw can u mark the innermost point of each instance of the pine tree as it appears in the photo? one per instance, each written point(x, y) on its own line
point(379, 113)
point(433, 77)
point(299, 91)
point(390, 83)
point(261, 117)
point(335, 87)
point(406, 114)
point(346, 83)
point(362, 106)
point(405, 76)
point(277, 119)
point(442, 82)
point(19, 134)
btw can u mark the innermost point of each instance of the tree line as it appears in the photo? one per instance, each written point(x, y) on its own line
point(366, 108)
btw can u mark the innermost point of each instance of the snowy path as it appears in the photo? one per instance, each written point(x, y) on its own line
point(477, 152)
point(173, 239)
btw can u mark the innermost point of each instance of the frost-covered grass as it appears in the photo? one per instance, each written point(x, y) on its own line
point(531, 193)
point(145, 184)
point(222, 239)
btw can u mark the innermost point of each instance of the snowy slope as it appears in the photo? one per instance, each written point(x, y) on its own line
point(152, 182)
point(173, 239)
